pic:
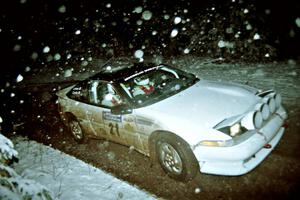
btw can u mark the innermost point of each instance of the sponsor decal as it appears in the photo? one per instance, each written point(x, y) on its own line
point(145, 122)
point(110, 117)
point(128, 119)
point(141, 72)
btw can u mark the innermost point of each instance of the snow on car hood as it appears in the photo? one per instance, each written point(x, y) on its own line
point(204, 104)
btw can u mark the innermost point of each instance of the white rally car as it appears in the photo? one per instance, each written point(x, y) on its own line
point(185, 123)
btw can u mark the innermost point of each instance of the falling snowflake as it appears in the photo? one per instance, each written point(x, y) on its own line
point(229, 30)
point(174, 33)
point(147, 15)
point(237, 35)
point(77, 32)
point(46, 49)
point(186, 51)
point(268, 11)
point(154, 32)
point(57, 56)
point(84, 63)
point(17, 47)
point(108, 68)
point(297, 21)
point(221, 44)
point(19, 78)
point(68, 73)
point(138, 54)
point(111, 155)
point(69, 56)
point(138, 9)
point(197, 190)
point(139, 22)
point(62, 9)
point(34, 55)
point(27, 69)
point(166, 17)
point(249, 27)
point(177, 20)
point(177, 87)
point(246, 11)
point(256, 36)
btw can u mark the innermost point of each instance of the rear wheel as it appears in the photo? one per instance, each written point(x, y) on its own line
point(176, 157)
point(76, 130)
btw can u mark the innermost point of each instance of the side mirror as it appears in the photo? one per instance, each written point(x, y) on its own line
point(121, 109)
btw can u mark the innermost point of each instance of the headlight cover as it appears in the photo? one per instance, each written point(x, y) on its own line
point(233, 130)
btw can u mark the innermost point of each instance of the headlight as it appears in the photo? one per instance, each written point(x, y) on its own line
point(265, 111)
point(277, 98)
point(272, 104)
point(235, 129)
point(216, 143)
point(257, 119)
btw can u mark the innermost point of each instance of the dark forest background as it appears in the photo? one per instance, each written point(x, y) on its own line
point(252, 31)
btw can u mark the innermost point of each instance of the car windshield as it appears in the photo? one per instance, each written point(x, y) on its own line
point(156, 84)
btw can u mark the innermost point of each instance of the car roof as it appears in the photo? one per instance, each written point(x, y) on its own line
point(115, 71)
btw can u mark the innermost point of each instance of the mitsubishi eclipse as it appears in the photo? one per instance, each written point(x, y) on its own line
point(187, 124)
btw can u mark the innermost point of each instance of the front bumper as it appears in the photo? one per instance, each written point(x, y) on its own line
point(243, 157)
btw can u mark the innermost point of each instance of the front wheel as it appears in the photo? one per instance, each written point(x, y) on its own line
point(176, 157)
point(76, 130)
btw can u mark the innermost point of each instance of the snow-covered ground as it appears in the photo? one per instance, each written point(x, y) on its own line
point(69, 178)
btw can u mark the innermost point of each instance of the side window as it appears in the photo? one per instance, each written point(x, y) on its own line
point(79, 92)
point(103, 94)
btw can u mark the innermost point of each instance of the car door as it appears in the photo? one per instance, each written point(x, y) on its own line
point(103, 97)
point(118, 128)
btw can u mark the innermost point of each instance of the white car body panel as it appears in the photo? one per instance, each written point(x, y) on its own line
point(193, 120)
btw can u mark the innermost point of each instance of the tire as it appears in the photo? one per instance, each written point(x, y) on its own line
point(176, 157)
point(76, 129)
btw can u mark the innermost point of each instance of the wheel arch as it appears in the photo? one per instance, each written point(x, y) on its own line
point(192, 164)
point(156, 134)
point(66, 116)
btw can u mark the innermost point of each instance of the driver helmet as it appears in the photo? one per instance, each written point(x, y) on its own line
point(141, 81)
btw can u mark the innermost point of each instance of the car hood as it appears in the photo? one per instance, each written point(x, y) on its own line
point(204, 104)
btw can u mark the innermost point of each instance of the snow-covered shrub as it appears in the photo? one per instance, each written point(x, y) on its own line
point(13, 186)
point(7, 151)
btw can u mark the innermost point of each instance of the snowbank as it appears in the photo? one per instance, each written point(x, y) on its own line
point(67, 177)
